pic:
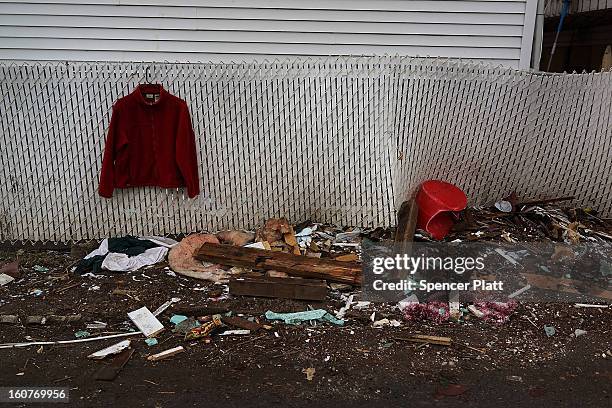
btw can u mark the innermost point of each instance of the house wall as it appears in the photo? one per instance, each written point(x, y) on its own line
point(553, 8)
point(495, 31)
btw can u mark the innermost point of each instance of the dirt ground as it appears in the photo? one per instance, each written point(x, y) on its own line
point(512, 364)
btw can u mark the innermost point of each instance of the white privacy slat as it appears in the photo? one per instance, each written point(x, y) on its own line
point(341, 140)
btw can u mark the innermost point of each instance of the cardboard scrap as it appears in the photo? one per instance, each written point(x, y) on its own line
point(146, 322)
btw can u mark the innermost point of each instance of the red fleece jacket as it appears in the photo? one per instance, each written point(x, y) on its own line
point(150, 143)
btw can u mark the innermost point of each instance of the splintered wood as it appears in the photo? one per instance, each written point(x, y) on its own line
point(295, 265)
point(406, 221)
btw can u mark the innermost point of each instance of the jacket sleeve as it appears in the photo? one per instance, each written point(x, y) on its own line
point(107, 174)
point(186, 156)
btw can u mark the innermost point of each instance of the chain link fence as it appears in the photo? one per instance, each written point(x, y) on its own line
point(340, 140)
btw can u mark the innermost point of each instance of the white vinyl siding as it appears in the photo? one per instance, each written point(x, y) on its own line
point(223, 30)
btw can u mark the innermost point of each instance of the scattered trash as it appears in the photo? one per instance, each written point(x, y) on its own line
point(36, 292)
point(349, 301)
point(235, 332)
point(96, 325)
point(182, 259)
point(238, 238)
point(498, 312)
point(586, 305)
point(550, 331)
point(260, 245)
point(516, 378)
point(166, 354)
point(292, 264)
point(435, 311)
point(125, 254)
point(280, 234)
point(205, 329)
point(165, 306)
point(519, 292)
point(152, 341)
point(402, 304)
point(310, 372)
point(110, 372)
point(186, 325)
point(4, 279)
point(474, 310)
point(110, 350)
point(386, 322)
point(40, 268)
point(340, 286)
point(579, 332)
point(53, 343)
point(176, 319)
point(146, 322)
point(299, 317)
point(81, 334)
point(504, 206)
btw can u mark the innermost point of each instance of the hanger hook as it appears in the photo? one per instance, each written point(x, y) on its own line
point(147, 74)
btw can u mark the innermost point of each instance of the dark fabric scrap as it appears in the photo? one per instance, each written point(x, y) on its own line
point(129, 245)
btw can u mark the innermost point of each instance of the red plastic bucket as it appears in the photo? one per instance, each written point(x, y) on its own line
point(437, 200)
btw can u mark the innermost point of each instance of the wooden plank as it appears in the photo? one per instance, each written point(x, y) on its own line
point(406, 221)
point(420, 338)
point(295, 265)
point(167, 353)
point(286, 288)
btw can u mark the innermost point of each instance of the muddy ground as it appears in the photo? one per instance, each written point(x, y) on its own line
point(512, 364)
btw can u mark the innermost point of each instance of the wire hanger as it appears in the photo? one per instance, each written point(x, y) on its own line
point(147, 81)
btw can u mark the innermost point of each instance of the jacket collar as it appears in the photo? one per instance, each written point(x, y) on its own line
point(142, 89)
